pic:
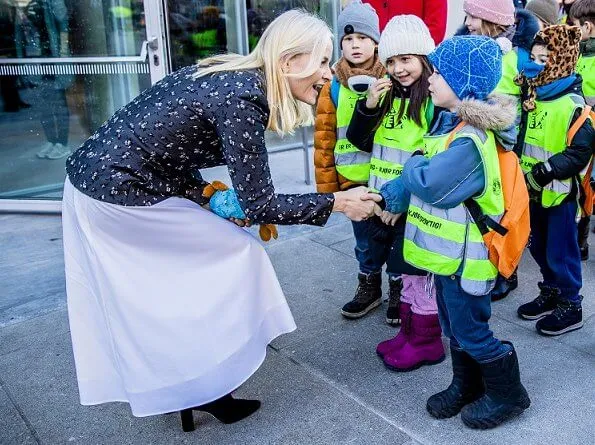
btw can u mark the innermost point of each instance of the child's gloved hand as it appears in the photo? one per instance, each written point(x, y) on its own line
point(224, 203)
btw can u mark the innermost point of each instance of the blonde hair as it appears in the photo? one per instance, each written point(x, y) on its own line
point(491, 29)
point(293, 33)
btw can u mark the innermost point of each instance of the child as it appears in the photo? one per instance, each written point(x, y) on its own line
point(582, 14)
point(442, 238)
point(496, 19)
point(546, 12)
point(390, 123)
point(554, 102)
point(340, 165)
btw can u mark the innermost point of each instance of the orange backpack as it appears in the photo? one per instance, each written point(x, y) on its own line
point(587, 194)
point(506, 240)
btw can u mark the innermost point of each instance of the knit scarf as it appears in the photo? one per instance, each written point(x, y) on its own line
point(344, 70)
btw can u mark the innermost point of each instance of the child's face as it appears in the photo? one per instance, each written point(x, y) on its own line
point(358, 48)
point(587, 29)
point(473, 24)
point(442, 94)
point(540, 54)
point(406, 69)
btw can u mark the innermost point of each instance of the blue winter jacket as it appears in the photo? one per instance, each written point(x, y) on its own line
point(449, 178)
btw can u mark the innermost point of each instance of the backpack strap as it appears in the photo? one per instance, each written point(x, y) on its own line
point(483, 222)
point(578, 124)
point(454, 132)
point(335, 87)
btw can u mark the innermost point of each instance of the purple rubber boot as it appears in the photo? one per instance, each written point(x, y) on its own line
point(423, 347)
point(400, 339)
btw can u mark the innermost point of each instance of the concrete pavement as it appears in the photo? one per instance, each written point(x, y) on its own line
point(321, 384)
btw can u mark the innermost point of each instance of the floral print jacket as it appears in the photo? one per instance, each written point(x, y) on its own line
point(154, 147)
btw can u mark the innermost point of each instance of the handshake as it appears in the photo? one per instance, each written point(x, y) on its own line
point(359, 204)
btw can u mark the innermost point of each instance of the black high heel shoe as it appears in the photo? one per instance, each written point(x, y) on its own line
point(226, 410)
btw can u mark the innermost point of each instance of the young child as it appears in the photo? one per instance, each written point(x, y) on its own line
point(442, 238)
point(546, 12)
point(582, 14)
point(554, 102)
point(340, 165)
point(390, 123)
point(514, 34)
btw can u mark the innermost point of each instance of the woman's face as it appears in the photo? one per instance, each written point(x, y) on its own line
point(473, 25)
point(405, 69)
point(307, 89)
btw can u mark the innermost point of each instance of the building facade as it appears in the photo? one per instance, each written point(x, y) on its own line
point(67, 65)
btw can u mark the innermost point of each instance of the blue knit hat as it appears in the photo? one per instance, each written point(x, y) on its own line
point(471, 65)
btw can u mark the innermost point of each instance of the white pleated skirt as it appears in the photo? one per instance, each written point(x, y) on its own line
point(169, 306)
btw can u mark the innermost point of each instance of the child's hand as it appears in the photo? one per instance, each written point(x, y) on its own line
point(376, 91)
point(390, 219)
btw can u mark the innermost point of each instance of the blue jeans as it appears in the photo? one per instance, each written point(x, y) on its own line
point(370, 261)
point(464, 320)
point(554, 246)
point(377, 244)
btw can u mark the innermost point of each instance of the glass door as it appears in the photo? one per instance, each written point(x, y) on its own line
point(65, 67)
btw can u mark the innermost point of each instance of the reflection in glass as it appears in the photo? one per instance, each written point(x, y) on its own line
point(262, 12)
point(197, 29)
point(54, 100)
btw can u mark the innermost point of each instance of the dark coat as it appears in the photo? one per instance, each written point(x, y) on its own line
point(153, 148)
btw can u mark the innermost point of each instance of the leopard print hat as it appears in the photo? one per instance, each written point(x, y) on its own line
point(563, 43)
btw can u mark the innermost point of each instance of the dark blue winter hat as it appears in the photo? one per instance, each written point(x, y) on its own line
point(471, 65)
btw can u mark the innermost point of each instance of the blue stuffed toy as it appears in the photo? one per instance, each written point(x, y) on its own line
point(223, 202)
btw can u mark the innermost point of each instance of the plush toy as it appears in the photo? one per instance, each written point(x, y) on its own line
point(224, 203)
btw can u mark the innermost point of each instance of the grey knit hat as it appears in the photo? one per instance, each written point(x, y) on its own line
point(361, 18)
point(544, 10)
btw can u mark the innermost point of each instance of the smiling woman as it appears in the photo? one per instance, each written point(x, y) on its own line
point(170, 306)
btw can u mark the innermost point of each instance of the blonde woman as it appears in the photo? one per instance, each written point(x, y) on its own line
point(171, 307)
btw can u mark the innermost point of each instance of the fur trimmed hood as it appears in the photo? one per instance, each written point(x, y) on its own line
point(499, 112)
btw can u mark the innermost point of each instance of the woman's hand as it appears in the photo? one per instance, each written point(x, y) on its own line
point(376, 91)
point(241, 222)
point(237, 221)
point(390, 219)
point(353, 205)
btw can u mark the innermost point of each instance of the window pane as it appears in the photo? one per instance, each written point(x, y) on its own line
point(48, 108)
point(201, 28)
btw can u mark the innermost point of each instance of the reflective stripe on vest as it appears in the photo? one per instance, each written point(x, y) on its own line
point(509, 72)
point(394, 142)
point(586, 68)
point(547, 129)
point(446, 241)
point(351, 163)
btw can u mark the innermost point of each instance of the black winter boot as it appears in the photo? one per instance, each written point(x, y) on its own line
point(466, 387)
point(226, 409)
point(543, 305)
point(367, 296)
point(394, 300)
point(505, 395)
point(504, 286)
point(583, 237)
